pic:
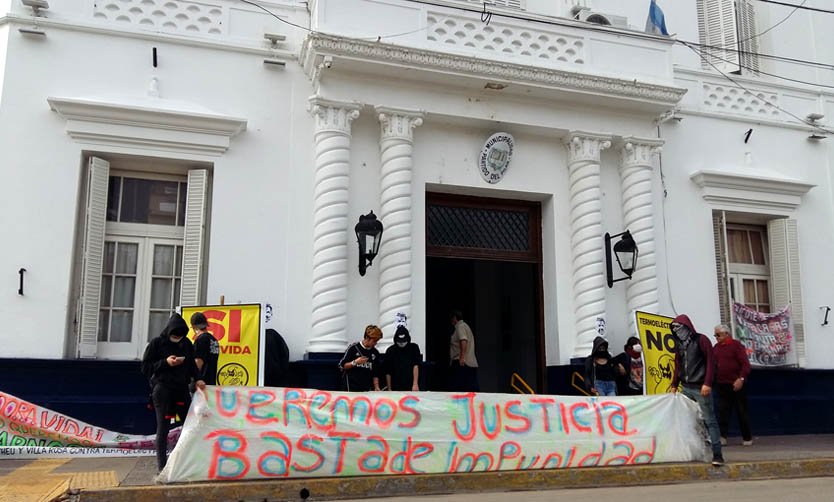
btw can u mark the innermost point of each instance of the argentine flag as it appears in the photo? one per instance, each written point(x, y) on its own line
point(656, 22)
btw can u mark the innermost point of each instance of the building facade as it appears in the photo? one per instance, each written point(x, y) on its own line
point(161, 153)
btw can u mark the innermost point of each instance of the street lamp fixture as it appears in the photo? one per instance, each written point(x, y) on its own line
point(368, 236)
point(626, 252)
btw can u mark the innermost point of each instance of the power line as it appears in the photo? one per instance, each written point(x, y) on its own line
point(775, 25)
point(797, 6)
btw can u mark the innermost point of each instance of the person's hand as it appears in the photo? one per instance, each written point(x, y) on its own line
point(200, 384)
point(415, 388)
point(377, 389)
point(594, 391)
point(173, 360)
point(360, 360)
point(672, 390)
point(620, 369)
point(705, 390)
point(738, 384)
point(461, 361)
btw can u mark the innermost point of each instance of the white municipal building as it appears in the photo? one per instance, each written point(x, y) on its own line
point(157, 153)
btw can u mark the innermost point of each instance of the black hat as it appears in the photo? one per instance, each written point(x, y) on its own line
point(401, 335)
point(198, 320)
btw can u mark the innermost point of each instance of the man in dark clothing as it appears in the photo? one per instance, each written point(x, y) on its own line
point(168, 363)
point(601, 370)
point(402, 363)
point(731, 379)
point(694, 371)
point(206, 349)
point(630, 369)
point(277, 363)
point(360, 364)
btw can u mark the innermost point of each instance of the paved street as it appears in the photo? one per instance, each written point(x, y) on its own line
point(781, 490)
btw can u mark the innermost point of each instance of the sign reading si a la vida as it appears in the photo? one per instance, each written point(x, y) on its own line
point(237, 328)
point(495, 157)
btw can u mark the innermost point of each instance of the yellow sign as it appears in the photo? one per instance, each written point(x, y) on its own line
point(659, 344)
point(237, 329)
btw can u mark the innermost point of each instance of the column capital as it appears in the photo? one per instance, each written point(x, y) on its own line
point(399, 122)
point(586, 145)
point(638, 151)
point(333, 115)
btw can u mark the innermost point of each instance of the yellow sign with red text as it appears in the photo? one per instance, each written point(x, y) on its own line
point(237, 328)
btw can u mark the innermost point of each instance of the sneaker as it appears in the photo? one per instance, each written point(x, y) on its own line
point(748, 443)
point(723, 441)
point(717, 460)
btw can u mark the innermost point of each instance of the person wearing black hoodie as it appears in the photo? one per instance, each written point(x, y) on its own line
point(601, 370)
point(168, 364)
point(695, 371)
point(402, 363)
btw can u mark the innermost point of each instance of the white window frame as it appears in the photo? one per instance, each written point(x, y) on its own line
point(731, 25)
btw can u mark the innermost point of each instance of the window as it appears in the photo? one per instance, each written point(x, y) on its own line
point(142, 254)
point(729, 28)
point(747, 266)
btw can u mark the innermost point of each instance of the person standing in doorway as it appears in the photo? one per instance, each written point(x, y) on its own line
point(402, 363)
point(695, 372)
point(731, 383)
point(168, 363)
point(206, 349)
point(463, 370)
point(360, 363)
point(630, 369)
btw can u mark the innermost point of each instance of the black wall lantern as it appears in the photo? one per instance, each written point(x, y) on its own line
point(626, 252)
point(368, 235)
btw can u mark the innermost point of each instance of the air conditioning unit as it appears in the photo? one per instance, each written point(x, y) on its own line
point(590, 16)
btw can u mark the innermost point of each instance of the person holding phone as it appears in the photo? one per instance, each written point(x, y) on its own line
point(168, 364)
point(360, 363)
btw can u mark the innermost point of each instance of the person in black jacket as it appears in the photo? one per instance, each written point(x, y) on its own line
point(402, 363)
point(206, 349)
point(168, 364)
point(360, 364)
point(277, 361)
point(600, 370)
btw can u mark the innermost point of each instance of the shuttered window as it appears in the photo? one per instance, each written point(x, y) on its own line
point(195, 229)
point(784, 270)
point(729, 28)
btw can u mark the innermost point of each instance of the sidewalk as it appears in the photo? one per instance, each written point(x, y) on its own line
point(131, 479)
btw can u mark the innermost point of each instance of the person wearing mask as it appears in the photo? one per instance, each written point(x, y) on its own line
point(168, 364)
point(731, 383)
point(206, 349)
point(360, 363)
point(463, 369)
point(630, 369)
point(601, 370)
point(695, 372)
point(402, 363)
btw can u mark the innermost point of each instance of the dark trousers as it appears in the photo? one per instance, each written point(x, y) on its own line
point(728, 399)
point(167, 403)
point(463, 378)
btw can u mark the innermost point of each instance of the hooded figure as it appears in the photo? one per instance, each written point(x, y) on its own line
point(168, 364)
point(630, 378)
point(402, 363)
point(600, 370)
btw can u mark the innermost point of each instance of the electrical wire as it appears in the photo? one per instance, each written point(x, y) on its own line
point(775, 25)
point(794, 5)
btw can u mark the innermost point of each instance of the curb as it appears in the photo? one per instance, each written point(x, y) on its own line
point(437, 484)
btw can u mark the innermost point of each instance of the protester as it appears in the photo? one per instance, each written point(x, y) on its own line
point(601, 370)
point(694, 371)
point(360, 364)
point(206, 349)
point(277, 360)
point(630, 369)
point(168, 363)
point(730, 383)
point(402, 363)
point(463, 365)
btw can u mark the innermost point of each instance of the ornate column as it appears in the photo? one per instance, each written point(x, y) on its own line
point(638, 217)
point(586, 235)
point(330, 223)
point(396, 149)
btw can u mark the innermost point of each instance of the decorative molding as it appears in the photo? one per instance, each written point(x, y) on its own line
point(148, 123)
point(586, 146)
point(750, 191)
point(165, 15)
point(334, 116)
point(317, 45)
point(399, 123)
point(639, 151)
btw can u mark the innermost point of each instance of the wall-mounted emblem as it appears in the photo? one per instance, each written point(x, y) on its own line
point(495, 157)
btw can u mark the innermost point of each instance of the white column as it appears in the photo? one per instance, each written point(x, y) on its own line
point(586, 235)
point(330, 223)
point(638, 217)
point(396, 149)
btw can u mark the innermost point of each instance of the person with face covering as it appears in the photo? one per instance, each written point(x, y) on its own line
point(168, 364)
point(402, 363)
point(601, 370)
point(694, 372)
point(630, 369)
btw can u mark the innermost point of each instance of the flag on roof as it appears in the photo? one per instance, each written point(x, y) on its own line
point(656, 22)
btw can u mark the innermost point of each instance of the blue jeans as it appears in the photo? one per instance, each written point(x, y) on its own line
point(705, 405)
point(606, 387)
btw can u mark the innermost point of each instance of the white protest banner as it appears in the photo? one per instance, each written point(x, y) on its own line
point(259, 433)
point(768, 338)
point(29, 431)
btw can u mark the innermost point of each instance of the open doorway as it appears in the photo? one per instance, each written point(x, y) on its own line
point(483, 257)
